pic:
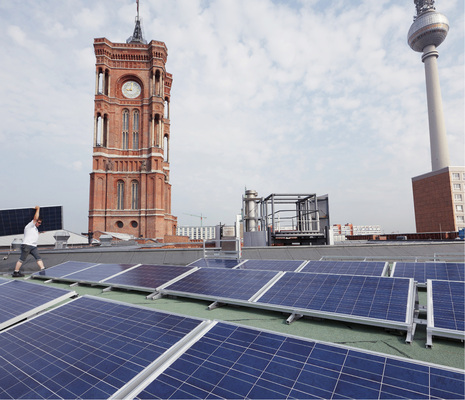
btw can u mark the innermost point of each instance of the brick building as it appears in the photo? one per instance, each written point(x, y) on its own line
point(439, 199)
point(130, 190)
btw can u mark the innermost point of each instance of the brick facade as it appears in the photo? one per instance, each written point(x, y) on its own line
point(130, 190)
point(438, 198)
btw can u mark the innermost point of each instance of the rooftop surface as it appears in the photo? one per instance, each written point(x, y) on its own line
point(444, 351)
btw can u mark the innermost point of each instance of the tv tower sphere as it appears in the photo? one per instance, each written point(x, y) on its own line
point(429, 29)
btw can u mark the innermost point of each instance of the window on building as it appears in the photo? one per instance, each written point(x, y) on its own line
point(135, 130)
point(125, 129)
point(457, 186)
point(458, 197)
point(455, 176)
point(459, 207)
point(135, 195)
point(460, 218)
point(120, 195)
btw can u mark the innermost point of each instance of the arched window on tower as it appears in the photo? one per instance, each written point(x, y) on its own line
point(98, 130)
point(167, 108)
point(135, 195)
point(104, 139)
point(166, 148)
point(107, 83)
point(100, 83)
point(125, 128)
point(157, 83)
point(120, 195)
point(135, 130)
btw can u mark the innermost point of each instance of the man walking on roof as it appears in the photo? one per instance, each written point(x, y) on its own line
point(29, 245)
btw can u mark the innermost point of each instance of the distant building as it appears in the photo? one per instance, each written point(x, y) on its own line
point(197, 232)
point(341, 231)
point(439, 199)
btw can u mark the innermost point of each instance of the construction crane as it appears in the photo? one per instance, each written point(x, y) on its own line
point(198, 216)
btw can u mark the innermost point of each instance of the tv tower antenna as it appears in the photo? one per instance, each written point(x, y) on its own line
point(428, 31)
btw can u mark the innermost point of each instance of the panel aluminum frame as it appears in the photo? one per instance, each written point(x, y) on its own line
point(431, 330)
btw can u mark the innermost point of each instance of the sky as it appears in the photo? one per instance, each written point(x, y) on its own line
point(297, 96)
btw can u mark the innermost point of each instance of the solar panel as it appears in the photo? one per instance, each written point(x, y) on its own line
point(13, 221)
point(87, 348)
point(62, 270)
point(366, 268)
point(366, 299)
point(97, 273)
point(272, 265)
point(445, 310)
point(212, 283)
point(20, 300)
point(234, 362)
point(215, 263)
point(147, 277)
point(422, 271)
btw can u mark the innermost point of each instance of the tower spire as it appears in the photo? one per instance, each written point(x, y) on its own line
point(137, 35)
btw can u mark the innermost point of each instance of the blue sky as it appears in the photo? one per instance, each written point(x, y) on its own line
point(309, 96)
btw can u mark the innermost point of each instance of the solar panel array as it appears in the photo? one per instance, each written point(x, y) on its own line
point(212, 283)
point(233, 362)
point(366, 268)
point(147, 276)
point(20, 300)
point(375, 301)
point(95, 348)
point(422, 271)
point(87, 348)
point(364, 296)
point(13, 221)
point(133, 276)
point(358, 296)
point(445, 310)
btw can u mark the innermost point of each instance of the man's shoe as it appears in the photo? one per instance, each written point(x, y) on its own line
point(42, 271)
point(17, 274)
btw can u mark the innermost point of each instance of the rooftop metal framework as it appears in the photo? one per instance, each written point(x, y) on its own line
point(288, 218)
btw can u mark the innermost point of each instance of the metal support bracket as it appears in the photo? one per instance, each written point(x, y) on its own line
point(293, 317)
point(216, 304)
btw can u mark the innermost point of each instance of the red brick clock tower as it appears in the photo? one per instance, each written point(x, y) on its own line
point(130, 190)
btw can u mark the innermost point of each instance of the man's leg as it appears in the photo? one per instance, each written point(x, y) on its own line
point(40, 263)
point(18, 265)
point(36, 255)
point(24, 253)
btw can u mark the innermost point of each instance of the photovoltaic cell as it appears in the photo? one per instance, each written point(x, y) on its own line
point(272, 265)
point(215, 263)
point(233, 362)
point(446, 309)
point(20, 299)
point(360, 296)
point(366, 268)
point(13, 221)
point(62, 270)
point(98, 272)
point(227, 283)
point(146, 277)
point(87, 348)
point(422, 271)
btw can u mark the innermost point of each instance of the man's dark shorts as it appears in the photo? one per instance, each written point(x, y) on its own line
point(26, 250)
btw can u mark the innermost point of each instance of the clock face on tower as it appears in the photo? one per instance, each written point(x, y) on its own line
point(131, 89)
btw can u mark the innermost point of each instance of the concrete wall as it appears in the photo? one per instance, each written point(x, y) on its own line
point(390, 251)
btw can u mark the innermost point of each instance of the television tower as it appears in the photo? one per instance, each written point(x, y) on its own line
point(429, 29)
